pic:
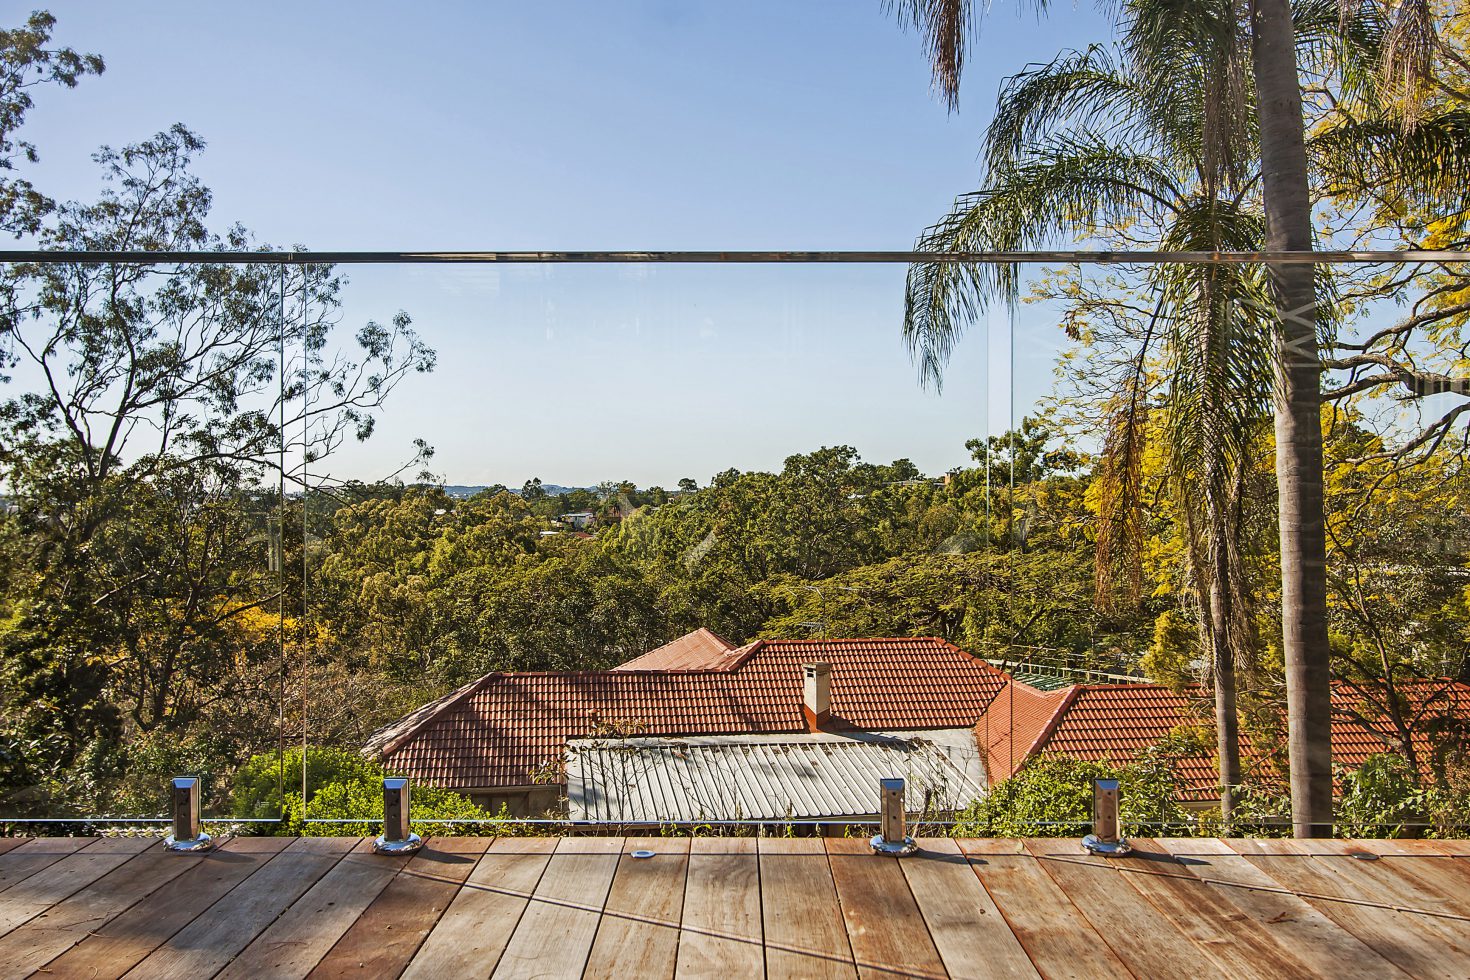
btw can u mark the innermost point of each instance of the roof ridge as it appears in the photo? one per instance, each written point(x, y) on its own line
point(452, 698)
point(1048, 729)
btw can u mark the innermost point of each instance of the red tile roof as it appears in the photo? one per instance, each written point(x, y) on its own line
point(1117, 721)
point(701, 650)
point(511, 729)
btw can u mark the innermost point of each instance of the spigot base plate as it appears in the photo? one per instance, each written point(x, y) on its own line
point(408, 845)
point(896, 848)
point(200, 843)
point(1094, 844)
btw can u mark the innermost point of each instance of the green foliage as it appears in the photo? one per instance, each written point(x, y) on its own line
point(1175, 645)
point(340, 786)
point(1380, 798)
point(1052, 797)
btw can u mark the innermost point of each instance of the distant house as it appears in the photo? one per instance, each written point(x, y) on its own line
point(700, 729)
point(866, 709)
point(578, 521)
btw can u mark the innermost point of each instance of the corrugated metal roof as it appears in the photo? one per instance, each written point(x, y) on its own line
point(512, 729)
point(767, 777)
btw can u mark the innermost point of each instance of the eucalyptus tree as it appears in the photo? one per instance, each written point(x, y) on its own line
point(150, 418)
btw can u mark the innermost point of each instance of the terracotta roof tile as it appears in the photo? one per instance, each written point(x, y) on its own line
point(507, 729)
point(701, 650)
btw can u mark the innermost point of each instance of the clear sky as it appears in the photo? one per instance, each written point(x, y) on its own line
point(645, 124)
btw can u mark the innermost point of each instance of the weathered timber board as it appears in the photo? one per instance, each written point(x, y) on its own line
point(56, 930)
point(639, 931)
point(1319, 942)
point(805, 935)
point(214, 937)
point(390, 930)
point(297, 941)
point(967, 928)
point(474, 930)
point(884, 924)
point(721, 934)
point(118, 946)
point(1145, 939)
point(555, 933)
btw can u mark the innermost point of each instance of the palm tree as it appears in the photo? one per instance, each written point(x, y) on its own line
point(1286, 193)
point(1162, 140)
point(1274, 30)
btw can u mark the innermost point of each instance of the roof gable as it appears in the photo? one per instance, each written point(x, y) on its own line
point(511, 729)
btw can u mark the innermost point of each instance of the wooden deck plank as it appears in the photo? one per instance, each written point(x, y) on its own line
point(1145, 939)
point(884, 925)
point(638, 935)
point(215, 936)
point(1434, 910)
point(47, 936)
point(478, 924)
point(1318, 941)
point(1240, 942)
point(721, 934)
point(968, 930)
point(118, 946)
point(391, 929)
point(801, 920)
point(556, 931)
point(38, 892)
point(1055, 935)
point(1428, 882)
point(298, 940)
point(11, 843)
point(1449, 848)
point(35, 855)
point(1394, 935)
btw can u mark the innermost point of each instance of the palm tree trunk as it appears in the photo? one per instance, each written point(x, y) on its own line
point(1227, 723)
point(1298, 421)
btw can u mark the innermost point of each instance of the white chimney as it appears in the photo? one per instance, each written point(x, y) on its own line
point(816, 695)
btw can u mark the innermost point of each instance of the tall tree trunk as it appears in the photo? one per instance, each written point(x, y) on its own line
point(1227, 723)
point(1298, 421)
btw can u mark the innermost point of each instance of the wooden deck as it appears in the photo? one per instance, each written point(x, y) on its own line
point(733, 908)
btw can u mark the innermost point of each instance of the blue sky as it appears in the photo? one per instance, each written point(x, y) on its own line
point(647, 125)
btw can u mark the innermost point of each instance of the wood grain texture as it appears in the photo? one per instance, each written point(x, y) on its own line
point(1241, 942)
point(262, 908)
point(391, 929)
point(1315, 939)
point(964, 922)
point(56, 930)
point(214, 937)
point(477, 926)
point(1145, 939)
point(11, 843)
point(37, 854)
point(556, 931)
point(119, 945)
point(297, 941)
point(805, 935)
point(38, 892)
point(1396, 936)
point(638, 935)
point(1056, 936)
point(721, 933)
point(884, 925)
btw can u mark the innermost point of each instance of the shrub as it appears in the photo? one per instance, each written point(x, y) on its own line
point(1052, 797)
point(340, 785)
